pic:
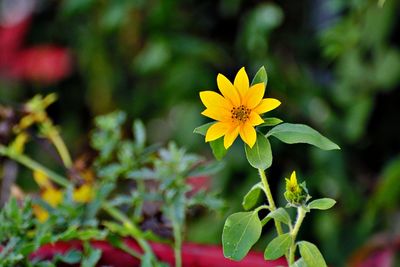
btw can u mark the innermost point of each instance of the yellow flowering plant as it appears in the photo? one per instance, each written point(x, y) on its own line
point(108, 197)
point(239, 111)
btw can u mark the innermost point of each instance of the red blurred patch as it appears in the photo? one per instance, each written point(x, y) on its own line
point(193, 255)
point(47, 64)
point(43, 63)
point(198, 183)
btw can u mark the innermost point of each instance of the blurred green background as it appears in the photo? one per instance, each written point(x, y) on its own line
point(335, 65)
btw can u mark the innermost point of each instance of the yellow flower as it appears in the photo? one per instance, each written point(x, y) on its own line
point(53, 196)
point(41, 214)
point(237, 111)
point(83, 194)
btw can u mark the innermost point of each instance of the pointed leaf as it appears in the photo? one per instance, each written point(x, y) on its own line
point(311, 255)
point(202, 129)
point(299, 133)
point(260, 156)
point(322, 204)
point(251, 198)
point(280, 215)
point(278, 247)
point(140, 133)
point(270, 122)
point(299, 263)
point(241, 232)
point(260, 77)
point(218, 149)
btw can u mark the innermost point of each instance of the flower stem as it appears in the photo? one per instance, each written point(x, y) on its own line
point(61, 148)
point(301, 214)
point(270, 199)
point(177, 245)
point(133, 229)
point(34, 165)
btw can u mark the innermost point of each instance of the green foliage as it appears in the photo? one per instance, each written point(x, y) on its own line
point(278, 247)
point(241, 232)
point(251, 199)
point(311, 255)
point(217, 146)
point(281, 215)
point(260, 77)
point(299, 133)
point(260, 155)
point(322, 204)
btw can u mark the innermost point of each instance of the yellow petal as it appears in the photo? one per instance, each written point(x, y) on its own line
point(254, 95)
point(52, 196)
point(212, 99)
point(83, 194)
point(293, 178)
point(242, 82)
point(267, 104)
point(41, 179)
point(255, 119)
point(41, 214)
point(248, 134)
point(216, 131)
point(230, 136)
point(216, 113)
point(228, 90)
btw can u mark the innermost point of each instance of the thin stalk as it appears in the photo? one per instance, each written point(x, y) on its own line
point(34, 165)
point(270, 199)
point(134, 230)
point(301, 214)
point(61, 148)
point(177, 245)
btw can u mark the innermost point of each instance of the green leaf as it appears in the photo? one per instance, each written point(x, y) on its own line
point(241, 232)
point(260, 77)
point(218, 149)
point(92, 258)
point(299, 263)
point(260, 155)
point(322, 204)
point(251, 198)
point(280, 215)
point(278, 246)
point(311, 255)
point(217, 146)
point(270, 122)
point(202, 129)
point(299, 133)
point(140, 133)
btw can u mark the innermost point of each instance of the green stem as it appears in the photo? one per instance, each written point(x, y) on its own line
point(34, 165)
point(177, 245)
point(134, 230)
point(301, 214)
point(62, 150)
point(270, 199)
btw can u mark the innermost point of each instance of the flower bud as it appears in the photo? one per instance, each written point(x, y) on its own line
point(295, 194)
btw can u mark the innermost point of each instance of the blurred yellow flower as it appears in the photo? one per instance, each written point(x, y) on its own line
point(83, 194)
point(53, 197)
point(237, 111)
point(41, 179)
point(41, 214)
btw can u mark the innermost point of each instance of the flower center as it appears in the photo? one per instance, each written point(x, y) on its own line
point(240, 113)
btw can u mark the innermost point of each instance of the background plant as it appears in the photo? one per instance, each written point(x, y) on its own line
point(104, 199)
